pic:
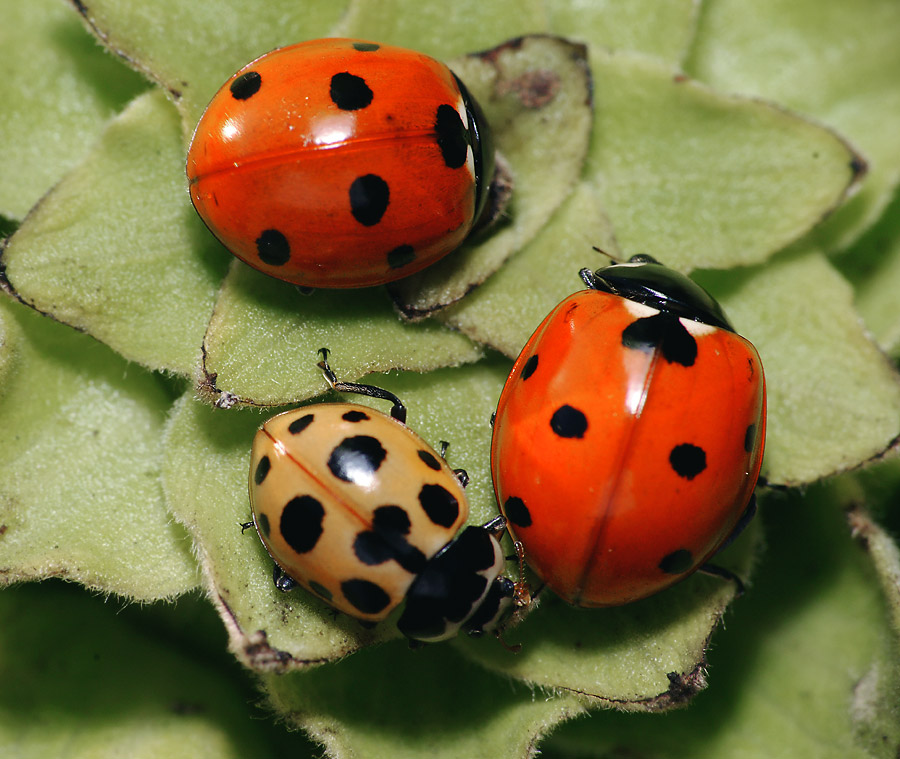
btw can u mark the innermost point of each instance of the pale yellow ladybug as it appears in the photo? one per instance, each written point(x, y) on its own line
point(356, 507)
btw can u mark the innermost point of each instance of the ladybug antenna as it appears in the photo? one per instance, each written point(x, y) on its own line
point(610, 256)
point(522, 594)
point(398, 411)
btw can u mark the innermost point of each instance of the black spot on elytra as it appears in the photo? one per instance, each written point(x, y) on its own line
point(365, 596)
point(677, 562)
point(452, 137)
point(369, 198)
point(356, 459)
point(320, 590)
point(349, 92)
point(687, 460)
point(262, 469)
point(386, 541)
point(262, 522)
point(664, 331)
point(355, 416)
point(530, 365)
point(366, 47)
point(301, 523)
point(401, 256)
point(439, 504)
point(298, 425)
point(517, 512)
point(246, 85)
point(273, 248)
point(429, 460)
point(568, 422)
point(750, 438)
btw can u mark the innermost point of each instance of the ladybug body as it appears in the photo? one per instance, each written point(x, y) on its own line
point(362, 512)
point(341, 163)
point(629, 435)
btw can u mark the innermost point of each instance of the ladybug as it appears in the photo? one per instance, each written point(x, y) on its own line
point(629, 436)
point(358, 509)
point(341, 163)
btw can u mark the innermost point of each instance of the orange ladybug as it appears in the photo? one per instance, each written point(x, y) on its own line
point(341, 163)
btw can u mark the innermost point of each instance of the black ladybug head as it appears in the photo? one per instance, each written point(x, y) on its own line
point(645, 280)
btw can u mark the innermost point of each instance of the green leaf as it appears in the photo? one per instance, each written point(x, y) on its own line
point(661, 29)
point(206, 473)
point(439, 30)
point(58, 89)
point(116, 249)
point(700, 179)
point(538, 277)
point(81, 679)
point(872, 265)
point(80, 495)
point(262, 342)
point(536, 95)
point(835, 62)
point(191, 49)
point(803, 669)
point(834, 400)
point(405, 704)
point(646, 656)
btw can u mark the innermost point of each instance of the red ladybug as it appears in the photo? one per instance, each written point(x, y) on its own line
point(341, 163)
point(629, 436)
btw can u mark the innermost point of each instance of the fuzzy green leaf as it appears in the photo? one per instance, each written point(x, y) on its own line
point(191, 49)
point(262, 342)
point(804, 668)
point(415, 704)
point(538, 277)
point(116, 249)
point(58, 89)
point(836, 62)
point(661, 29)
point(834, 400)
point(206, 474)
point(700, 179)
point(80, 495)
point(81, 679)
point(536, 96)
point(438, 31)
point(872, 265)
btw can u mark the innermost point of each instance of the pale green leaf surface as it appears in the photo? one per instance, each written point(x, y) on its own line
point(834, 399)
point(661, 29)
point(116, 249)
point(872, 265)
point(81, 679)
point(700, 179)
point(536, 96)
point(645, 656)
point(439, 29)
point(206, 474)
point(80, 495)
point(58, 89)
point(404, 704)
point(837, 62)
point(792, 673)
point(192, 48)
point(262, 342)
point(538, 277)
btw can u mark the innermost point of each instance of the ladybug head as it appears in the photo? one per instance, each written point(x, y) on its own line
point(644, 280)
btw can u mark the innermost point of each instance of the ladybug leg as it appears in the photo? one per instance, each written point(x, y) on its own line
point(715, 570)
point(461, 474)
point(283, 582)
point(398, 411)
point(741, 525)
point(245, 526)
